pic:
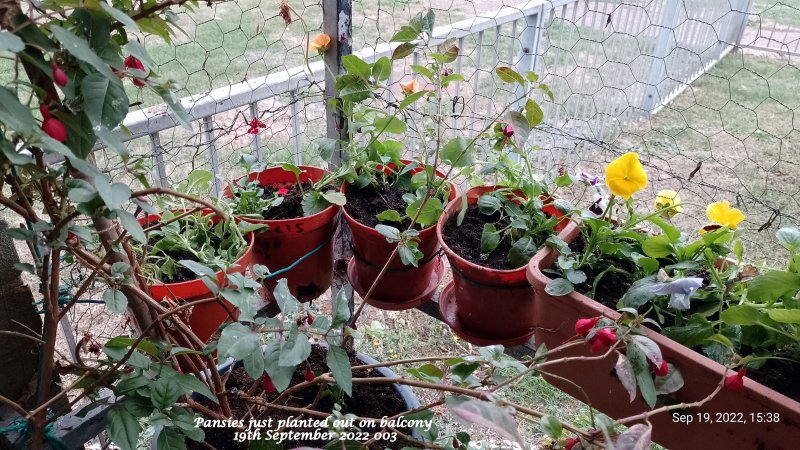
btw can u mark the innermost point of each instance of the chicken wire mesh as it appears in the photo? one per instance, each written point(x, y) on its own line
point(704, 91)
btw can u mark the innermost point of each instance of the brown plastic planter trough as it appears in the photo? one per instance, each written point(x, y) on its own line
point(731, 420)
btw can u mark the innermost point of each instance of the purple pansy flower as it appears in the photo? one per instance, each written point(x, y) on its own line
point(679, 290)
point(591, 180)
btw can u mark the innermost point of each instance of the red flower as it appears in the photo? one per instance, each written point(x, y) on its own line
point(283, 191)
point(255, 124)
point(58, 75)
point(735, 382)
point(602, 339)
point(266, 383)
point(584, 326)
point(310, 316)
point(661, 371)
point(571, 442)
point(132, 62)
point(52, 126)
point(309, 375)
point(508, 131)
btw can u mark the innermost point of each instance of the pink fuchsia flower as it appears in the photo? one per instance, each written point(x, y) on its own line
point(508, 131)
point(602, 339)
point(660, 371)
point(584, 326)
point(283, 191)
point(132, 62)
point(680, 291)
point(52, 126)
point(570, 443)
point(59, 77)
point(735, 382)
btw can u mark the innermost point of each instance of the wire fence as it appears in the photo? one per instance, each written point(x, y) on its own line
point(704, 91)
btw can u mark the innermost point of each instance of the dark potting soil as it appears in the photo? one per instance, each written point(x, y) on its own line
point(613, 285)
point(181, 273)
point(779, 375)
point(366, 203)
point(465, 239)
point(292, 205)
point(369, 400)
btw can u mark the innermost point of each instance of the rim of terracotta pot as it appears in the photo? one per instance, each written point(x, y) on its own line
point(322, 215)
point(546, 257)
point(238, 265)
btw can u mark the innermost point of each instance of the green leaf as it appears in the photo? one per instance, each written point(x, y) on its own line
point(789, 237)
point(657, 246)
point(201, 270)
point(313, 203)
point(411, 98)
point(334, 197)
point(120, 16)
point(489, 204)
point(489, 415)
point(740, 315)
point(640, 292)
point(105, 100)
point(551, 426)
point(117, 346)
point(14, 114)
point(644, 378)
point(669, 383)
point(636, 437)
point(281, 376)
point(772, 285)
point(430, 212)
point(521, 128)
point(648, 348)
point(784, 315)
point(131, 225)
point(178, 111)
point(626, 376)
point(10, 42)
point(695, 332)
point(422, 70)
point(16, 158)
point(287, 303)
point(165, 392)
point(339, 363)
point(341, 310)
point(112, 141)
point(533, 113)
point(509, 75)
point(238, 341)
point(80, 49)
point(326, 148)
point(406, 34)
point(190, 384)
point(295, 349)
point(721, 339)
point(427, 372)
point(559, 287)
point(390, 215)
point(113, 195)
point(391, 234)
point(356, 66)
point(123, 427)
point(490, 238)
point(403, 50)
point(458, 152)
point(390, 124)
point(116, 301)
point(170, 439)
point(382, 69)
point(522, 251)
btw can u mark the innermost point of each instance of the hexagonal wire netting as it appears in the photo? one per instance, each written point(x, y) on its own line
point(704, 91)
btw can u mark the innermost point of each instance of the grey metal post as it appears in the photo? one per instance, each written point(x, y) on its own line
point(338, 24)
point(664, 46)
point(208, 134)
point(159, 171)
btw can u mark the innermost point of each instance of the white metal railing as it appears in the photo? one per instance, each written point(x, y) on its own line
point(678, 41)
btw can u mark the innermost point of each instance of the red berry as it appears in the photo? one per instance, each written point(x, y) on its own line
point(309, 375)
point(571, 442)
point(58, 75)
point(266, 383)
point(55, 129)
point(661, 371)
point(735, 382)
point(584, 326)
point(45, 111)
point(508, 131)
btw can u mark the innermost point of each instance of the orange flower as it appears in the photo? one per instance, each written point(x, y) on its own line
point(320, 44)
point(410, 87)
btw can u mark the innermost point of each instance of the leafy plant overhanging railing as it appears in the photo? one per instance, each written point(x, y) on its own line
point(140, 245)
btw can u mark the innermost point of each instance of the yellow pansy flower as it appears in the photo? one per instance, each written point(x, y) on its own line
point(721, 213)
point(667, 198)
point(625, 175)
point(320, 44)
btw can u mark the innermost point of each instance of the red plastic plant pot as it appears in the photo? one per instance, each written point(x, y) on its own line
point(401, 287)
point(742, 419)
point(284, 242)
point(205, 318)
point(486, 306)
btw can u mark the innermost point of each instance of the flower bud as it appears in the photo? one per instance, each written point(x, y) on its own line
point(735, 382)
point(59, 76)
point(583, 326)
point(660, 371)
point(55, 129)
point(267, 384)
point(508, 131)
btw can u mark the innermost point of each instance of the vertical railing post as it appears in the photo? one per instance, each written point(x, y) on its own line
point(745, 13)
point(664, 46)
point(208, 134)
point(159, 172)
point(337, 22)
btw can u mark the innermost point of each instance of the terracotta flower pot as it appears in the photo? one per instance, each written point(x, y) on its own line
point(755, 417)
point(401, 287)
point(205, 318)
point(286, 241)
point(485, 306)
